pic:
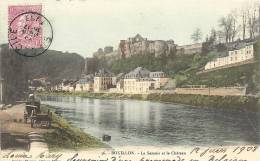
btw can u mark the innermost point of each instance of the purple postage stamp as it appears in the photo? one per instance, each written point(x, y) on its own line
point(25, 30)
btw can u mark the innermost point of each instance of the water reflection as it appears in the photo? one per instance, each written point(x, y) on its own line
point(132, 122)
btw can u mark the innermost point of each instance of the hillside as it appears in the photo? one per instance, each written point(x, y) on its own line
point(169, 64)
point(55, 65)
point(183, 69)
point(12, 71)
point(244, 75)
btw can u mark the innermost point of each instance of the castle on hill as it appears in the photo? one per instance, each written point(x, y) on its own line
point(137, 45)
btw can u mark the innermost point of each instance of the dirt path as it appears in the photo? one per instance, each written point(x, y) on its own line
point(12, 121)
point(15, 132)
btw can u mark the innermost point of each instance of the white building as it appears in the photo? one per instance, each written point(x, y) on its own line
point(56, 87)
point(160, 79)
point(138, 81)
point(103, 81)
point(142, 81)
point(68, 85)
point(138, 85)
point(241, 53)
point(84, 85)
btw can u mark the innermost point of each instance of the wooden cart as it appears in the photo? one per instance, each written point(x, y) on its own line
point(31, 108)
point(42, 120)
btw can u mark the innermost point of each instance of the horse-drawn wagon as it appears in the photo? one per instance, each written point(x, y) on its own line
point(33, 112)
point(42, 120)
point(31, 108)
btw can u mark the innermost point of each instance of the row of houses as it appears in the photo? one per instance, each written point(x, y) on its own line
point(137, 81)
point(238, 54)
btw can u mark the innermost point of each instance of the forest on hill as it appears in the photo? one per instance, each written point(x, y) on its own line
point(16, 70)
point(55, 65)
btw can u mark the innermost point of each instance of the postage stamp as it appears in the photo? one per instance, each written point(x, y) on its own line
point(28, 29)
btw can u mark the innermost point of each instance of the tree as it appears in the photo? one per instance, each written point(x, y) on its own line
point(244, 22)
point(213, 36)
point(252, 22)
point(228, 25)
point(220, 36)
point(235, 26)
point(250, 19)
point(208, 45)
point(197, 35)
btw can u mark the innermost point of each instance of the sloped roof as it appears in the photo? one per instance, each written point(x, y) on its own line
point(139, 72)
point(85, 80)
point(138, 36)
point(104, 73)
point(240, 45)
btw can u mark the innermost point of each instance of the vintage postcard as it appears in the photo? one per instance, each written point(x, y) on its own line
point(129, 80)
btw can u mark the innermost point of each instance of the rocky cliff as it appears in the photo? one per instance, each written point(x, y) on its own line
point(157, 48)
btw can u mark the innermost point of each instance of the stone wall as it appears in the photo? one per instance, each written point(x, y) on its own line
point(223, 91)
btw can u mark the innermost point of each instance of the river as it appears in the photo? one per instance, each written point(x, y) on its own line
point(145, 123)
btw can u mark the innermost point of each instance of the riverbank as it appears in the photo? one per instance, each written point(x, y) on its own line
point(13, 130)
point(232, 102)
point(65, 136)
point(61, 136)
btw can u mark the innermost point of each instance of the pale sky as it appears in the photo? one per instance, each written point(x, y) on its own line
point(83, 26)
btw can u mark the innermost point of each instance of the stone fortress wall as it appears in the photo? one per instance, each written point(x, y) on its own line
point(137, 45)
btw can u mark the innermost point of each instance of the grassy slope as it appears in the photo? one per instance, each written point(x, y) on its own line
point(242, 75)
point(65, 136)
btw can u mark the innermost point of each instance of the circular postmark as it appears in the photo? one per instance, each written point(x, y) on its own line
point(30, 34)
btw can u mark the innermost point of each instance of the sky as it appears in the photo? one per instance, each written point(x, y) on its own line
point(83, 26)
